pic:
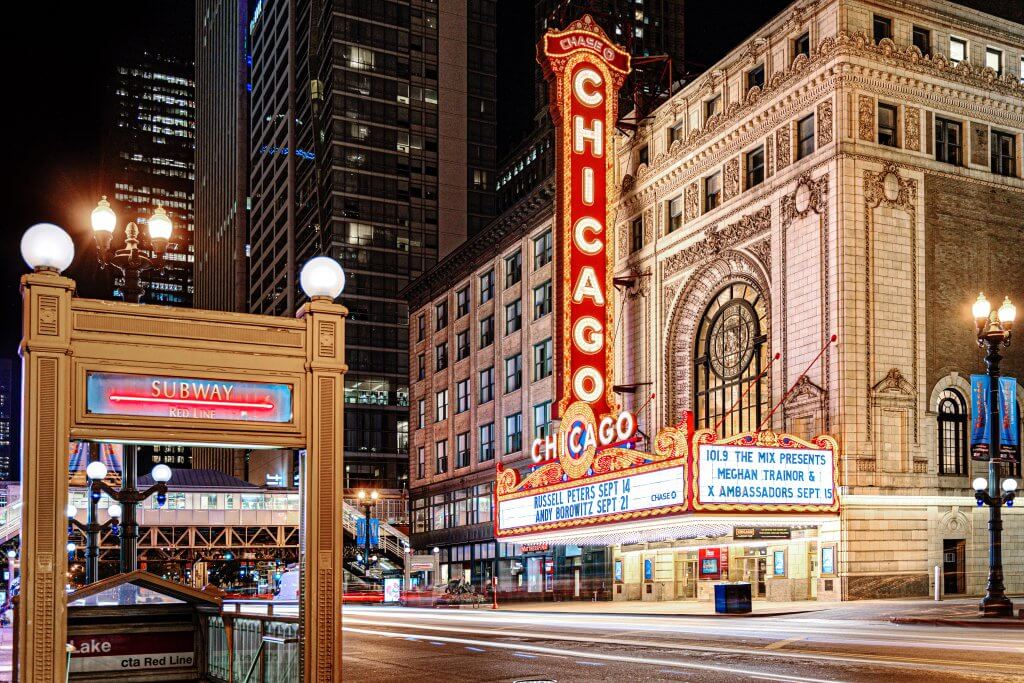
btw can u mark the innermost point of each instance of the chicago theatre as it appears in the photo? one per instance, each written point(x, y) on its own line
point(734, 341)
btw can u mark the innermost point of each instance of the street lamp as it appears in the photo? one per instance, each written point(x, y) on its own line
point(994, 329)
point(46, 247)
point(126, 502)
point(131, 261)
point(367, 501)
point(322, 277)
point(92, 530)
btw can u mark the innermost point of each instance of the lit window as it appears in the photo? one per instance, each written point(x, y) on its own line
point(957, 49)
point(994, 60)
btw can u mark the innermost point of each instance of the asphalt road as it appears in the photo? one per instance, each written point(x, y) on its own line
point(437, 646)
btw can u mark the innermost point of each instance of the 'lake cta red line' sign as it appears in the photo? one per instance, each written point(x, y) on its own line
point(585, 71)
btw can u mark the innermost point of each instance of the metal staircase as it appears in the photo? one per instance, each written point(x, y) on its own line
point(392, 541)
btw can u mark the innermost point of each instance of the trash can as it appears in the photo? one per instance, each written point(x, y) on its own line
point(732, 598)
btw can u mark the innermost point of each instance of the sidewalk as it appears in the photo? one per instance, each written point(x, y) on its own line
point(950, 612)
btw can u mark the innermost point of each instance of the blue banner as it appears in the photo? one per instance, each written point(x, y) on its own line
point(361, 532)
point(979, 417)
point(1009, 421)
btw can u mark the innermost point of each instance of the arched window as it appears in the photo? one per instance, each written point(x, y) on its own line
point(730, 351)
point(952, 416)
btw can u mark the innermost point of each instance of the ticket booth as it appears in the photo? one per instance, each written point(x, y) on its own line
point(139, 627)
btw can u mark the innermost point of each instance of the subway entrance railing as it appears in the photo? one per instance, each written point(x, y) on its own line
point(253, 648)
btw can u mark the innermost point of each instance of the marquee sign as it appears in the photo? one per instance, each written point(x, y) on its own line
point(584, 70)
point(764, 472)
point(187, 398)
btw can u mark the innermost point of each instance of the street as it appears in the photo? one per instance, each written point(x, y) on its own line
point(849, 644)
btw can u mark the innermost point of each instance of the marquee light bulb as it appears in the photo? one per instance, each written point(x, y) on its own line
point(46, 246)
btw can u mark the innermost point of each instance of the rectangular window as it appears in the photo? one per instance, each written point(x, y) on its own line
point(487, 442)
point(421, 462)
point(513, 269)
point(487, 286)
point(802, 45)
point(676, 132)
point(513, 433)
point(421, 413)
point(712, 191)
point(513, 372)
point(461, 302)
point(440, 357)
point(541, 300)
point(805, 137)
point(712, 107)
point(636, 234)
point(755, 167)
point(675, 213)
point(542, 250)
point(462, 450)
point(441, 315)
point(542, 359)
point(462, 396)
point(948, 141)
point(513, 316)
point(882, 28)
point(441, 406)
point(486, 331)
point(887, 116)
point(541, 419)
point(441, 457)
point(421, 366)
point(487, 385)
point(923, 40)
point(421, 327)
point(462, 345)
point(1004, 153)
point(1021, 73)
point(957, 49)
point(755, 77)
point(642, 156)
point(994, 59)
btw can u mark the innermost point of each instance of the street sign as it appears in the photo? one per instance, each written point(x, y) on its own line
point(132, 651)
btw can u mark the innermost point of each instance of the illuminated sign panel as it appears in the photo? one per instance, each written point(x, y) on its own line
point(577, 504)
point(585, 71)
point(765, 472)
point(187, 398)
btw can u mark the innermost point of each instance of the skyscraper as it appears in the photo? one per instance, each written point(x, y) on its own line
point(373, 141)
point(222, 155)
point(150, 161)
point(8, 414)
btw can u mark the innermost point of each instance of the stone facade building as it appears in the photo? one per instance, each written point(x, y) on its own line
point(853, 169)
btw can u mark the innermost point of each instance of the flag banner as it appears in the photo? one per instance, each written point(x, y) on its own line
point(1009, 421)
point(979, 417)
point(361, 531)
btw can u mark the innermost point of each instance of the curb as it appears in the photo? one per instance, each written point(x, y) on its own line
point(962, 623)
point(673, 615)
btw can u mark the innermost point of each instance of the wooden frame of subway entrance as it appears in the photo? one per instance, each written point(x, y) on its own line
point(65, 337)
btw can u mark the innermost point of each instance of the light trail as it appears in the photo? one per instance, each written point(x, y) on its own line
point(191, 402)
point(900, 661)
point(519, 648)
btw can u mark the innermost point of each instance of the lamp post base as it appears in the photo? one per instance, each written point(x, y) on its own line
point(995, 606)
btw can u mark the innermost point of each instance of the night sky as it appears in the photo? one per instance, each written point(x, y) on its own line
point(59, 61)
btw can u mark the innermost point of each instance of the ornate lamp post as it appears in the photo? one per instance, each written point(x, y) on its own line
point(994, 330)
point(367, 501)
point(131, 261)
point(92, 530)
point(129, 497)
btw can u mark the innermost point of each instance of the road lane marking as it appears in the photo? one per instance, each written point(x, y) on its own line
point(856, 658)
point(625, 659)
point(783, 643)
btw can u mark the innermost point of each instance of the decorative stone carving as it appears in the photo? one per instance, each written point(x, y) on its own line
point(866, 118)
point(769, 156)
point(691, 202)
point(912, 128)
point(763, 251)
point(784, 147)
point(893, 383)
point(824, 123)
point(753, 95)
point(890, 189)
point(716, 240)
point(731, 176)
point(649, 220)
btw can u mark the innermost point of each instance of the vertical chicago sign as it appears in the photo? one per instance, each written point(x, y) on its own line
point(585, 71)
